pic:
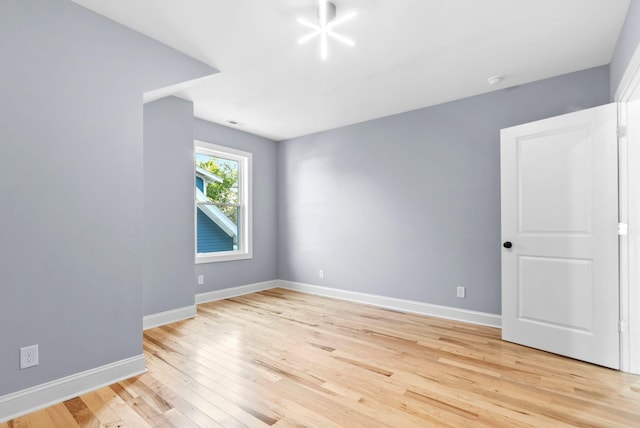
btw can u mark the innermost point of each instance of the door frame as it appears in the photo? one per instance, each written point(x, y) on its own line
point(629, 191)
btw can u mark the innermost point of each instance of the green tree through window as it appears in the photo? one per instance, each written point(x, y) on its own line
point(224, 194)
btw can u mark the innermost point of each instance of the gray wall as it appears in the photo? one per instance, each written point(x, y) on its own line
point(168, 205)
point(71, 182)
point(627, 44)
point(408, 206)
point(263, 265)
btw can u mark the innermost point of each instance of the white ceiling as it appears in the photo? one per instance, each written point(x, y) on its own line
point(408, 54)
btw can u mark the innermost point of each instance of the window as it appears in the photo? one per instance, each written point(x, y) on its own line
point(222, 203)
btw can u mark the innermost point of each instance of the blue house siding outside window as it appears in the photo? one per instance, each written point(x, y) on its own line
point(211, 238)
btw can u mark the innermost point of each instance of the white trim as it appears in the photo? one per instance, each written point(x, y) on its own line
point(47, 394)
point(629, 90)
point(623, 241)
point(222, 256)
point(472, 317)
point(168, 317)
point(226, 293)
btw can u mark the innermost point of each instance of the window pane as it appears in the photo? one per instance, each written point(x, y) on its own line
point(216, 231)
point(221, 178)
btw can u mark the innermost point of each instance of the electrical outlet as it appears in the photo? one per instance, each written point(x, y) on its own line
point(200, 279)
point(461, 292)
point(28, 356)
point(321, 274)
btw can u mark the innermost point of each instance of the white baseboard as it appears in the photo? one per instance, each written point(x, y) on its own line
point(473, 317)
point(47, 394)
point(167, 317)
point(212, 296)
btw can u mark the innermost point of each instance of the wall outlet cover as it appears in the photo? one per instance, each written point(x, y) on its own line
point(28, 356)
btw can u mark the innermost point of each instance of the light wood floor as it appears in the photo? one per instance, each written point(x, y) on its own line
point(284, 359)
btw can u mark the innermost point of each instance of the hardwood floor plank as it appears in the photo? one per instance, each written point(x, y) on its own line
point(105, 415)
point(141, 407)
point(179, 403)
point(61, 416)
point(129, 417)
point(40, 418)
point(239, 384)
point(284, 359)
point(81, 413)
point(200, 394)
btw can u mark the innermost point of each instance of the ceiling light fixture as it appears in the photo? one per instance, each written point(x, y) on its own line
point(328, 21)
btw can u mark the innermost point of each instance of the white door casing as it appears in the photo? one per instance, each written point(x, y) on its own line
point(628, 98)
point(559, 182)
point(632, 316)
point(629, 146)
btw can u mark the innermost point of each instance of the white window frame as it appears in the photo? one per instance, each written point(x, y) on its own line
point(245, 228)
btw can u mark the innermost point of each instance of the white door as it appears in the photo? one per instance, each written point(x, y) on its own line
point(559, 190)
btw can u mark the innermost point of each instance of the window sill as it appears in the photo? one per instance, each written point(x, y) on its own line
point(225, 256)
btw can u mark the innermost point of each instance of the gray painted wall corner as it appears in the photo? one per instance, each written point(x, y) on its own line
point(262, 267)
